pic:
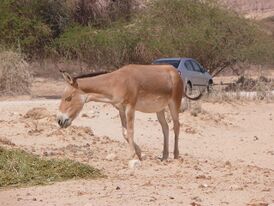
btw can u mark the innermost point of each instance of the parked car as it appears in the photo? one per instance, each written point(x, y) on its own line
point(191, 71)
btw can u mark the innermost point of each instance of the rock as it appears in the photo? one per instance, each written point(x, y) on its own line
point(270, 152)
point(257, 203)
point(134, 164)
point(148, 183)
point(267, 190)
point(195, 204)
point(89, 204)
point(235, 187)
point(197, 199)
point(228, 164)
point(201, 177)
point(81, 193)
point(203, 185)
point(111, 157)
point(255, 138)
point(84, 115)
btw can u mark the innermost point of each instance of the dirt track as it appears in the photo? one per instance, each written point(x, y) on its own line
point(227, 156)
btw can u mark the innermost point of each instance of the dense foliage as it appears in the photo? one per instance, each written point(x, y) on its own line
point(112, 33)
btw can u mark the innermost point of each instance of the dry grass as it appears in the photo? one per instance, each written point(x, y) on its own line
point(245, 83)
point(15, 76)
point(244, 89)
point(19, 168)
point(196, 109)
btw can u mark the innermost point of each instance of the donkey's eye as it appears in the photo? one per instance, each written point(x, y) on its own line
point(68, 99)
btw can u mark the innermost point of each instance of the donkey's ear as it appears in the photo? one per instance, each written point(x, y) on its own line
point(69, 79)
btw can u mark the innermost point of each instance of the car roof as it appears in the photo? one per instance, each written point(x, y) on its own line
point(173, 59)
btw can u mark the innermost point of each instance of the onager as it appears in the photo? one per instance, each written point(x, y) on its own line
point(145, 88)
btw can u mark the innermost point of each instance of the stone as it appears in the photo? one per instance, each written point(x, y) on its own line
point(111, 157)
point(134, 164)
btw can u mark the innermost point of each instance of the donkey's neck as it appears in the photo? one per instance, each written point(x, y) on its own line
point(99, 84)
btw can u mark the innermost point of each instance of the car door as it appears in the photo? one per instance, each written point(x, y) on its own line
point(191, 75)
point(199, 76)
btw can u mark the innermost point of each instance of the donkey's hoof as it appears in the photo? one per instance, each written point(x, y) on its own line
point(163, 158)
point(133, 164)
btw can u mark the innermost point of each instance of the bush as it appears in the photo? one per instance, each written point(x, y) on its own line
point(248, 84)
point(30, 25)
point(54, 13)
point(218, 38)
point(15, 77)
point(111, 47)
point(102, 13)
point(111, 33)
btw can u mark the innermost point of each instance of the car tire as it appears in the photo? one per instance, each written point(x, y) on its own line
point(188, 88)
point(209, 87)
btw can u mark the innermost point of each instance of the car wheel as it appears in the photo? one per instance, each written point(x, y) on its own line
point(209, 87)
point(189, 88)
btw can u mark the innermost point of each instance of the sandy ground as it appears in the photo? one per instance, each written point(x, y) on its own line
point(227, 155)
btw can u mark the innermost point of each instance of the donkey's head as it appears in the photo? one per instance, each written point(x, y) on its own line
point(72, 101)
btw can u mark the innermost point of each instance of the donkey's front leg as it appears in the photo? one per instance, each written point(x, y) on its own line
point(134, 149)
point(123, 118)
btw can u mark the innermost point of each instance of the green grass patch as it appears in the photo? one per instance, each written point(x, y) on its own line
point(19, 168)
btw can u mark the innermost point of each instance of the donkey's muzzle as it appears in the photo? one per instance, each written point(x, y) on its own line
point(63, 122)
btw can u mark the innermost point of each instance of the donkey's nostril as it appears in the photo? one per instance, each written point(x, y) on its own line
point(60, 122)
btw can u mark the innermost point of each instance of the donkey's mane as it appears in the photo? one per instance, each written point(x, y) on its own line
point(93, 74)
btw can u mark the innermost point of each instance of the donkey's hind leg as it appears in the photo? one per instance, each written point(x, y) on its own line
point(162, 120)
point(174, 111)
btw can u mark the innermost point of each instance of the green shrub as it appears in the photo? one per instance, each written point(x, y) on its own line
point(55, 13)
point(102, 13)
point(218, 38)
point(110, 33)
point(110, 47)
point(30, 25)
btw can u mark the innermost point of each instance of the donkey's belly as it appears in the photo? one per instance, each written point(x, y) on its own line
point(151, 103)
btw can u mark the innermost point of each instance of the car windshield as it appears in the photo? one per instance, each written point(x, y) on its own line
point(174, 63)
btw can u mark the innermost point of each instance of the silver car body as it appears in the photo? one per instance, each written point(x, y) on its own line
point(192, 73)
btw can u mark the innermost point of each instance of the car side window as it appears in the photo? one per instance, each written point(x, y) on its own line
point(174, 63)
point(189, 66)
point(196, 67)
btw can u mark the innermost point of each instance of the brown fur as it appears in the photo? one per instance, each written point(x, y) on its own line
point(145, 88)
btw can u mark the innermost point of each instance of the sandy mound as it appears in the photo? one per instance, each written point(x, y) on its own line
point(37, 113)
point(72, 130)
point(40, 121)
point(5, 141)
